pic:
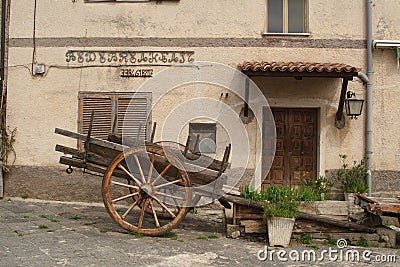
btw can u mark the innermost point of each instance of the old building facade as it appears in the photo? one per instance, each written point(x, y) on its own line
point(66, 58)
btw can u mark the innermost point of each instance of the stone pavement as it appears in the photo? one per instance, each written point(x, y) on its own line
point(44, 233)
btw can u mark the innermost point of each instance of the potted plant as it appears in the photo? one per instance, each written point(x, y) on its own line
point(280, 211)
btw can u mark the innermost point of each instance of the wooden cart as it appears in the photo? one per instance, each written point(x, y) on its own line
point(149, 188)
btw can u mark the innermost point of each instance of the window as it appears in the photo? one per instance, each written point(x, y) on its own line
point(207, 136)
point(109, 112)
point(286, 16)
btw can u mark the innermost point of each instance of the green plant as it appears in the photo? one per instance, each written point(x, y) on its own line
point(136, 234)
point(202, 237)
point(168, 235)
point(42, 226)
point(353, 179)
point(314, 190)
point(306, 238)
point(74, 217)
point(103, 231)
point(281, 201)
point(212, 237)
point(330, 241)
point(363, 242)
point(308, 194)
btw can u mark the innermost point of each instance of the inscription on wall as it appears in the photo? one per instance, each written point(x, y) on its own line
point(132, 72)
point(159, 58)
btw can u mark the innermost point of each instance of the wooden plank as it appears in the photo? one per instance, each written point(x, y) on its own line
point(70, 151)
point(93, 140)
point(324, 219)
point(254, 226)
point(329, 207)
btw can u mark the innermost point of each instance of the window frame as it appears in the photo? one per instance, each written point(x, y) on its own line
point(211, 130)
point(285, 18)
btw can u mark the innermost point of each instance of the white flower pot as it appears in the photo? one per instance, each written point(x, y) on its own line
point(279, 231)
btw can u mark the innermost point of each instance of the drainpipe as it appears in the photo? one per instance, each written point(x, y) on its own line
point(2, 70)
point(368, 122)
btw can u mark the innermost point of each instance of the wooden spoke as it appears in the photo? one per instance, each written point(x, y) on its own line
point(166, 184)
point(154, 213)
point(164, 207)
point(162, 173)
point(130, 174)
point(142, 213)
point(124, 197)
point(153, 157)
point(170, 196)
point(125, 185)
point(139, 167)
point(131, 208)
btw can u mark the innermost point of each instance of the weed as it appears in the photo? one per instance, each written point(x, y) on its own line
point(202, 237)
point(330, 241)
point(306, 238)
point(212, 237)
point(103, 231)
point(54, 220)
point(49, 218)
point(168, 235)
point(42, 226)
point(89, 223)
point(193, 211)
point(136, 234)
point(25, 217)
point(314, 247)
point(24, 197)
point(180, 240)
point(74, 217)
point(382, 240)
point(363, 242)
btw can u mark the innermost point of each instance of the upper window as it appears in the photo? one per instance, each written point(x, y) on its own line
point(287, 16)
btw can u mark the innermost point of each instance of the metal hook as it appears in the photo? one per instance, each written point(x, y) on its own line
point(69, 170)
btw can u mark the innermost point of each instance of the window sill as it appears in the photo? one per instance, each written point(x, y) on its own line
point(285, 34)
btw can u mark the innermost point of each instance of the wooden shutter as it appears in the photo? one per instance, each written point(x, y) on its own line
point(102, 107)
point(129, 123)
point(110, 110)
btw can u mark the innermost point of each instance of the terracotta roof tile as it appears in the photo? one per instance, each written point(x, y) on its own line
point(297, 67)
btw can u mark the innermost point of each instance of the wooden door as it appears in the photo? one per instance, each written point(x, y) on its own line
point(296, 147)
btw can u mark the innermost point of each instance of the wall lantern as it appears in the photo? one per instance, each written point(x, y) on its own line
point(353, 105)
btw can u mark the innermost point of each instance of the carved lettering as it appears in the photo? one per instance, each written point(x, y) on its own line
point(129, 57)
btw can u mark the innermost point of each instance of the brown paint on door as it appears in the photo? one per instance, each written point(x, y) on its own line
point(296, 146)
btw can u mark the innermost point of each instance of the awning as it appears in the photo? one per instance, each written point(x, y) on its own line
point(298, 69)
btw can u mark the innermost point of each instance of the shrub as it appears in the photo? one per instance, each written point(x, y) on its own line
point(353, 179)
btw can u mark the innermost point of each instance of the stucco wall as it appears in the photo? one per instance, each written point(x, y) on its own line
point(228, 32)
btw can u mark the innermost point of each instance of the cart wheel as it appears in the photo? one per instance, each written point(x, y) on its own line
point(152, 185)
